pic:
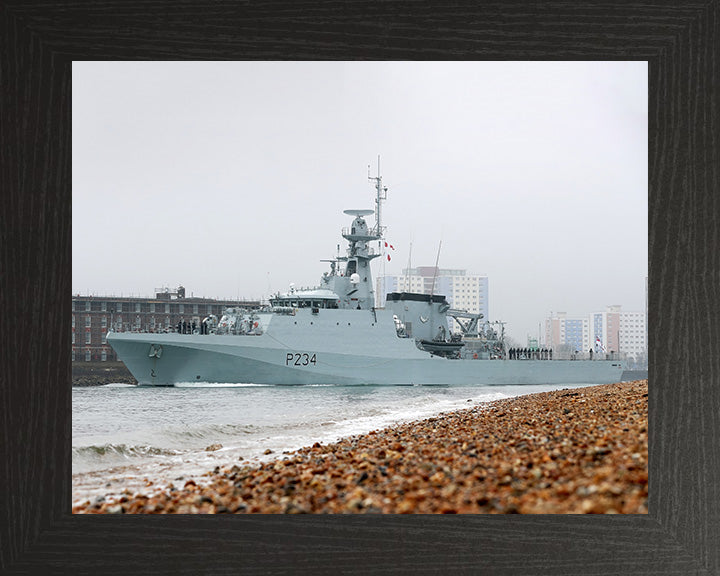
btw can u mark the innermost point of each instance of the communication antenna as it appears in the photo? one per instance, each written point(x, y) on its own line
point(381, 195)
point(437, 260)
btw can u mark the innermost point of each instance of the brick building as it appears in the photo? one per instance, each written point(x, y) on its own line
point(92, 317)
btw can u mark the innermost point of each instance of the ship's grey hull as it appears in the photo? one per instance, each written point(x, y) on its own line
point(341, 347)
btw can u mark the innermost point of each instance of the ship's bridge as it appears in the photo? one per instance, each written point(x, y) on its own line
point(316, 298)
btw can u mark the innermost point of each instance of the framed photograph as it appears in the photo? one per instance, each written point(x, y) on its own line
point(39, 44)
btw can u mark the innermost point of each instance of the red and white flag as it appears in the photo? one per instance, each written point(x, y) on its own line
point(598, 344)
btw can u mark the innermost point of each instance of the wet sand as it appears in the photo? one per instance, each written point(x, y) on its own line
point(575, 451)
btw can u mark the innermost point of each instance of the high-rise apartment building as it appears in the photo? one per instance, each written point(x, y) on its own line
point(616, 330)
point(633, 334)
point(573, 332)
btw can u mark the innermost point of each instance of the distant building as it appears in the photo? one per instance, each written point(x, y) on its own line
point(463, 291)
point(92, 317)
point(617, 331)
point(633, 334)
point(606, 327)
point(571, 332)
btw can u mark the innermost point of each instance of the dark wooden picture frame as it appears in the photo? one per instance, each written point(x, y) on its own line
point(38, 43)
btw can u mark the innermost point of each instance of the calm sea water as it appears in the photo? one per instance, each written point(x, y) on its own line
point(127, 436)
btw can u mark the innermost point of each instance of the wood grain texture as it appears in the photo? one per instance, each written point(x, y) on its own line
point(38, 42)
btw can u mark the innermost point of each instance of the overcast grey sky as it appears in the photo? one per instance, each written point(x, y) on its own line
point(231, 178)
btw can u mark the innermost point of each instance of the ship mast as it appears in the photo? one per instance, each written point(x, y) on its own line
point(381, 195)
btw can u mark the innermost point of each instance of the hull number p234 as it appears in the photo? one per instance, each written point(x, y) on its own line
point(300, 359)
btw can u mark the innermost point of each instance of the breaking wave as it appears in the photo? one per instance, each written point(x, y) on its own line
point(120, 450)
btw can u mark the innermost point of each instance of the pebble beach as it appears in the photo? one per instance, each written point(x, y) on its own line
point(569, 451)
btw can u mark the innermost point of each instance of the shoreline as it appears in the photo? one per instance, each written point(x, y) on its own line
point(581, 450)
point(85, 374)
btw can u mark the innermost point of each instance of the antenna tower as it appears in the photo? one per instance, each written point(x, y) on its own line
point(381, 195)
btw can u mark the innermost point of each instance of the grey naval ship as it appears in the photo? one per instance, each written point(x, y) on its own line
point(334, 334)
